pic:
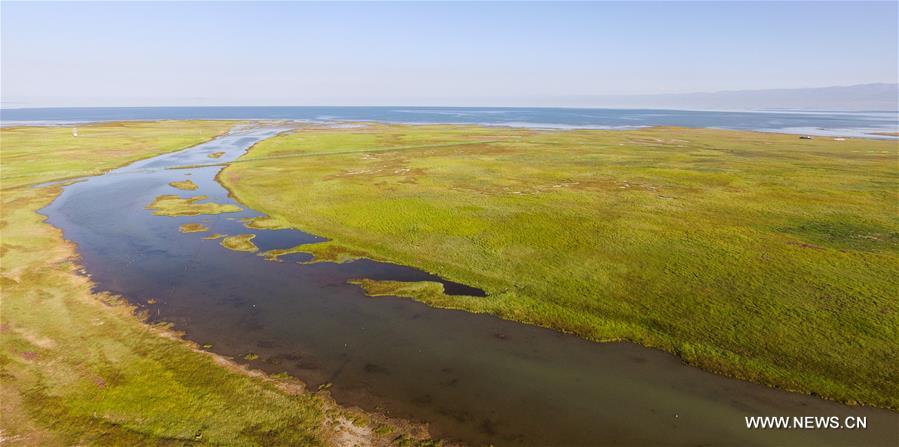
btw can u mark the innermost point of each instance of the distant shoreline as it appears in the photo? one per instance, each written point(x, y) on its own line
point(868, 124)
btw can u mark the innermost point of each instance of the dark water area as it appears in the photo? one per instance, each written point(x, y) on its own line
point(473, 378)
point(802, 122)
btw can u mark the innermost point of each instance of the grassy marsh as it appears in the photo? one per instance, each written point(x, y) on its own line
point(185, 185)
point(193, 228)
point(264, 223)
point(240, 242)
point(759, 256)
point(275, 254)
point(428, 292)
point(32, 155)
point(79, 368)
point(328, 251)
point(172, 205)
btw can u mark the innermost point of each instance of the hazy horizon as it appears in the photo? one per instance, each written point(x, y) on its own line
point(764, 100)
point(437, 54)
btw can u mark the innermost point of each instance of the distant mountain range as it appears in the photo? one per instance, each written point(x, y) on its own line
point(854, 97)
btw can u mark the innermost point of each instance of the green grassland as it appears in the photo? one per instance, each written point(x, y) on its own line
point(759, 256)
point(79, 368)
point(32, 155)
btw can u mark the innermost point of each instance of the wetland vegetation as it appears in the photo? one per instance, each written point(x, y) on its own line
point(186, 185)
point(596, 216)
point(193, 228)
point(264, 223)
point(80, 368)
point(172, 205)
point(759, 256)
point(328, 251)
point(240, 242)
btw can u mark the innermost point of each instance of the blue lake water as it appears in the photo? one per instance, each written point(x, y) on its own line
point(804, 122)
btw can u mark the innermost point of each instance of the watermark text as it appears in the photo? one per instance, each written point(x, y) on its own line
point(806, 422)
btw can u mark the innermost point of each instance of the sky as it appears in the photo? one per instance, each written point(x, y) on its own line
point(428, 53)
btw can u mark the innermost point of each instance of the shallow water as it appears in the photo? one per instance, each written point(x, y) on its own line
point(802, 122)
point(472, 377)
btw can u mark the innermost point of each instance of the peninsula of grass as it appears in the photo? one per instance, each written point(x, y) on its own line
point(186, 185)
point(79, 368)
point(240, 242)
point(275, 254)
point(193, 228)
point(172, 205)
point(428, 292)
point(759, 256)
point(264, 223)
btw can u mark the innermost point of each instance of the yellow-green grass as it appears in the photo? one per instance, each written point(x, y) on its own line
point(32, 155)
point(328, 251)
point(429, 292)
point(756, 255)
point(240, 242)
point(216, 155)
point(275, 254)
point(264, 223)
point(186, 185)
point(193, 228)
point(79, 368)
point(171, 205)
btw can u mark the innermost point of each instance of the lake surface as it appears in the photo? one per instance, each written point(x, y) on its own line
point(816, 123)
point(473, 378)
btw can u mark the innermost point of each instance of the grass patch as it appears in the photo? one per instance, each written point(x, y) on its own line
point(240, 242)
point(844, 233)
point(756, 255)
point(426, 291)
point(171, 205)
point(328, 251)
point(186, 185)
point(275, 254)
point(264, 223)
point(216, 155)
point(193, 228)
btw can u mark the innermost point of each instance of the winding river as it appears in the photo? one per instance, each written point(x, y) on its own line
point(473, 378)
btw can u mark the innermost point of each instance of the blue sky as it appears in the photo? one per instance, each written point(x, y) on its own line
point(430, 53)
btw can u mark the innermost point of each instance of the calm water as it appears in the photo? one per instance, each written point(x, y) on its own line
point(819, 123)
point(474, 378)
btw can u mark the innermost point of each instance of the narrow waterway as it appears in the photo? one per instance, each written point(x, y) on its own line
point(473, 378)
